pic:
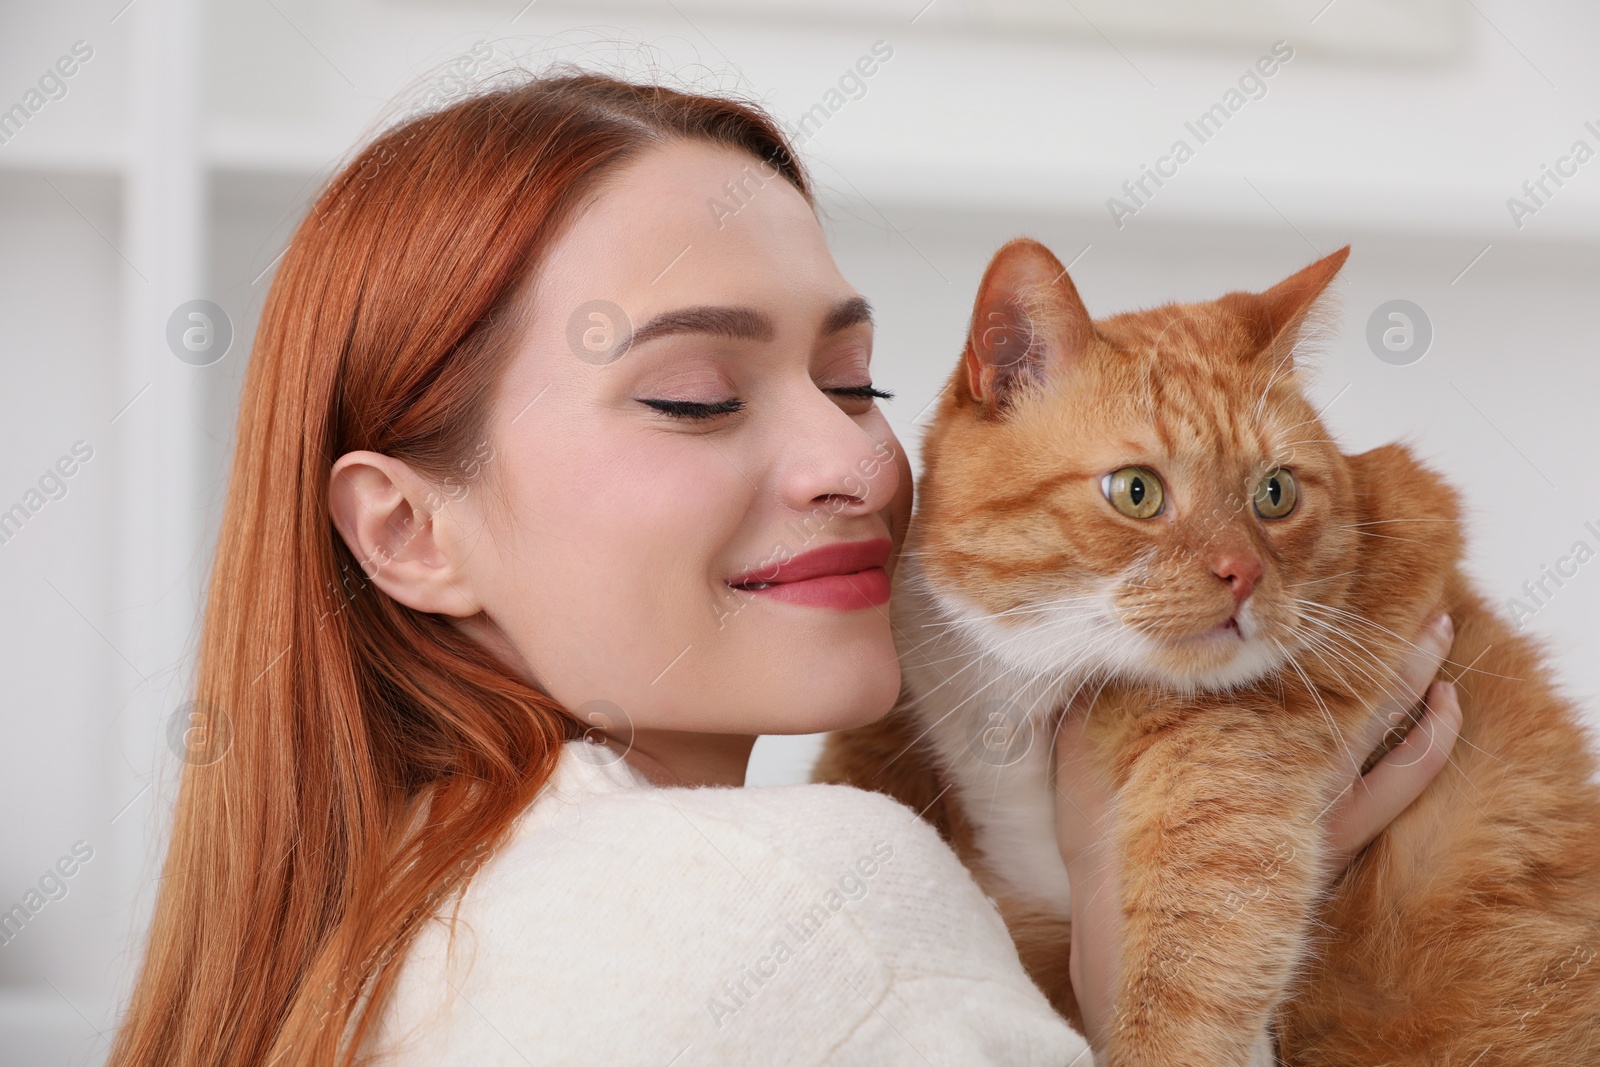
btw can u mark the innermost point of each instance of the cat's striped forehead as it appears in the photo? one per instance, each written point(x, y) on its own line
point(1194, 386)
point(1206, 332)
point(1186, 383)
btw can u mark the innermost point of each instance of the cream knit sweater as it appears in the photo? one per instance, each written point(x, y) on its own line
point(627, 924)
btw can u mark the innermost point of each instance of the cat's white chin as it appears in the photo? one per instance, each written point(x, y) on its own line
point(1217, 660)
point(1230, 654)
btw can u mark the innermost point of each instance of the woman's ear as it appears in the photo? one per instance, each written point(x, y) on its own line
point(386, 512)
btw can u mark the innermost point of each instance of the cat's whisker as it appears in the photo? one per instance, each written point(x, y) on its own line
point(1049, 689)
point(973, 653)
point(988, 645)
point(1385, 537)
point(1333, 727)
point(1328, 635)
point(1326, 578)
point(1317, 644)
point(1287, 360)
point(1332, 626)
point(1322, 638)
point(1037, 608)
point(1386, 681)
point(1030, 607)
point(1387, 522)
point(1447, 662)
point(981, 655)
point(1313, 605)
point(1463, 741)
point(979, 648)
point(928, 728)
point(1303, 422)
point(1456, 678)
point(1104, 681)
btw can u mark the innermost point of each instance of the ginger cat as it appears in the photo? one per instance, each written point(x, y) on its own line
point(1146, 513)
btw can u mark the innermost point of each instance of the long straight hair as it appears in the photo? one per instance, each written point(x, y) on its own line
point(374, 755)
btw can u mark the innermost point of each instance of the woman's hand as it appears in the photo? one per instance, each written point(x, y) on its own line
point(1361, 812)
point(1371, 802)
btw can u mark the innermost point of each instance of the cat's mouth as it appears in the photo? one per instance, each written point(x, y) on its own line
point(1228, 630)
point(1231, 653)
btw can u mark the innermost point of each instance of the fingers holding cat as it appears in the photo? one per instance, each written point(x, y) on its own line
point(1411, 683)
point(1082, 794)
point(1083, 799)
point(1373, 800)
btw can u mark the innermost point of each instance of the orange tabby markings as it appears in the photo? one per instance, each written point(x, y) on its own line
point(1232, 653)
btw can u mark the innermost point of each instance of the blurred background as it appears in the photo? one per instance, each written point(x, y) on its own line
point(156, 154)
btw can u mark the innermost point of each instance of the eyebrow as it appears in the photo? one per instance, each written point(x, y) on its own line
point(741, 323)
point(846, 313)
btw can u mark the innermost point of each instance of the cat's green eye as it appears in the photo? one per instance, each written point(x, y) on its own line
point(1134, 491)
point(1276, 494)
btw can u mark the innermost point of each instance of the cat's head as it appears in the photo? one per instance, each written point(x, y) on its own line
point(1149, 496)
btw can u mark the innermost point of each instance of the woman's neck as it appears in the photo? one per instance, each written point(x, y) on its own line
point(680, 758)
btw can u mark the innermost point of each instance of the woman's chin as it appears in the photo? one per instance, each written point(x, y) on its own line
point(871, 704)
point(828, 699)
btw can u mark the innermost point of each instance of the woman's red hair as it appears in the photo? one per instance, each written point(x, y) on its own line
point(375, 754)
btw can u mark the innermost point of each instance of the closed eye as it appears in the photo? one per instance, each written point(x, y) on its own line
point(863, 391)
point(693, 409)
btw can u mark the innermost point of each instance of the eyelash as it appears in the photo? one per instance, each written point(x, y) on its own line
point(694, 409)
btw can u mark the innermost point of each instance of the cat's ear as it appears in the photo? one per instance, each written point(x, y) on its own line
point(1281, 313)
point(1027, 322)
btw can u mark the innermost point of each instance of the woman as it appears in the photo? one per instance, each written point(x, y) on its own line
point(546, 386)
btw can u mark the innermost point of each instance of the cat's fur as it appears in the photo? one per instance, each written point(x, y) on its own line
point(1466, 934)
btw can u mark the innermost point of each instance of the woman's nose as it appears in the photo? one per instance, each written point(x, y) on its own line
point(836, 464)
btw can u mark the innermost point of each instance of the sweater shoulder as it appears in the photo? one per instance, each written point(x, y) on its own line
point(774, 925)
point(674, 911)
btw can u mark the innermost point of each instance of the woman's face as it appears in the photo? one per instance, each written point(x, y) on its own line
point(691, 537)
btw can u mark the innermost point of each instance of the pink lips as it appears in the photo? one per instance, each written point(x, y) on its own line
point(845, 576)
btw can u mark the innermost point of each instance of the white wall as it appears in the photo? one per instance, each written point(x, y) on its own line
point(183, 151)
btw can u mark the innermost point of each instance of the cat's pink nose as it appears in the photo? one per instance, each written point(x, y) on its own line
point(1241, 570)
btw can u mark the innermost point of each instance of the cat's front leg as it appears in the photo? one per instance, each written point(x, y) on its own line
point(1263, 1054)
point(1222, 858)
